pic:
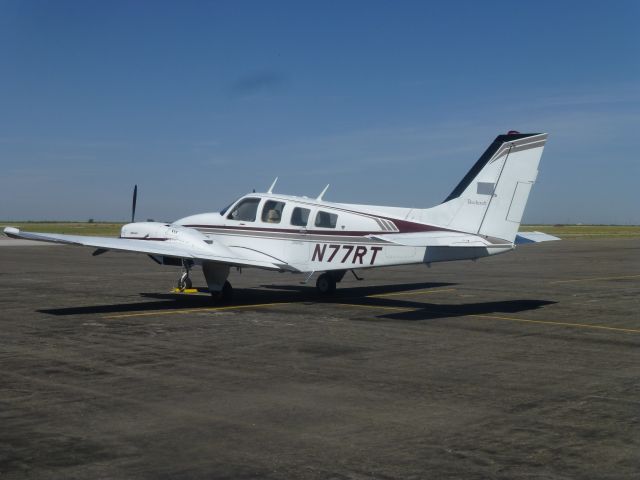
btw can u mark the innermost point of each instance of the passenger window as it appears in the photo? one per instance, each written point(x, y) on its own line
point(326, 219)
point(272, 211)
point(300, 216)
point(245, 211)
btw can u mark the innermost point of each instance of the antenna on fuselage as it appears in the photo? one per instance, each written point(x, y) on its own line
point(272, 185)
point(323, 192)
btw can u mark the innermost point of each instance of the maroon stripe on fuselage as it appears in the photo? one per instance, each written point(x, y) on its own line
point(403, 227)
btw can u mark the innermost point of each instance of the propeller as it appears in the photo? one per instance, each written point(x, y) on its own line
point(133, 205)
point(100, 251)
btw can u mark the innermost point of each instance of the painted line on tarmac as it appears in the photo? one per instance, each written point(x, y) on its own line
point(593, 279)
point(561, 324)
point(196, 310)
point(498, 317)
point(377, 307)
point(261, 305)
point(419, 292)
point(381, 307)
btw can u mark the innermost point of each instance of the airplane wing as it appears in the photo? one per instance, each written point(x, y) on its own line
point(169, 248)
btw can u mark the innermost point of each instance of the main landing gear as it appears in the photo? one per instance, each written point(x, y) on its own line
point(216, 276)
point(184, 282)
point(326, 283)
point(225, 295)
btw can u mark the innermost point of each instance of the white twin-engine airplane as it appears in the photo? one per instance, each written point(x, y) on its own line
point(276, 232)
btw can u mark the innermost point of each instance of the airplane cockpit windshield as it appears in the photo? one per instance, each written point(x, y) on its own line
point(245, 211)
point(225, 209)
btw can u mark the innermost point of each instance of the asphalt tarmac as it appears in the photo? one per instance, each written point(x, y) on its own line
point(525, 365)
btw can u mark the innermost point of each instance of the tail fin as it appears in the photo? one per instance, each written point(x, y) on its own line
point(490, 199)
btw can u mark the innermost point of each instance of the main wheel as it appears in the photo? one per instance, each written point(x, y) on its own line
point(326, 284)
point(224, 296)
point(227, 292)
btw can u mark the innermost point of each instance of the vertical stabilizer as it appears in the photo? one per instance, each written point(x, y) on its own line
point(491, 198)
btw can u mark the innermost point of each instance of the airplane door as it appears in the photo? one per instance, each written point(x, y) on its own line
point(297, 251)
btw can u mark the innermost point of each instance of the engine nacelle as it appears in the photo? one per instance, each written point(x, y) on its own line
point(145, 230)
point(164, 231)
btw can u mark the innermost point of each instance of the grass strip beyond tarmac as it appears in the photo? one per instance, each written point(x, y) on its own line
point(103, 229)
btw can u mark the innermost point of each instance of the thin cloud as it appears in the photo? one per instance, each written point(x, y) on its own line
point(256, 83)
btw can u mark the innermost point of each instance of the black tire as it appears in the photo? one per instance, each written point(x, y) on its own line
point(326, 284)
point(224, 296)
point(227, 292)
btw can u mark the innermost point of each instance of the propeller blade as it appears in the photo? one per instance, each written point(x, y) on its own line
point(133, 205)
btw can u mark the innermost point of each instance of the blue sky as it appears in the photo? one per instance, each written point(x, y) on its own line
point(390, 102)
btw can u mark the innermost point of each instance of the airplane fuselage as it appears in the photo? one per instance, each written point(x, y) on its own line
point(308, 235)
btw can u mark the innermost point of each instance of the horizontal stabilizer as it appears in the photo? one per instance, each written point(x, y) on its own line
point(440, 239)
point(533, 237)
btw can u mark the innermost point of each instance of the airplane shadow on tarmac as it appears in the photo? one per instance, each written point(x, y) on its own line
point(419, 311)
point(408, 310)
point(243, 297)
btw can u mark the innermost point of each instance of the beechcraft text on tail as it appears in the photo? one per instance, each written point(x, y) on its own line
point(284, 233)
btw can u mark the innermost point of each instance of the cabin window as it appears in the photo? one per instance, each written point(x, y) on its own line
point(272, 211)
point(245, 211)
point(326, 219)
point(300, 216)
